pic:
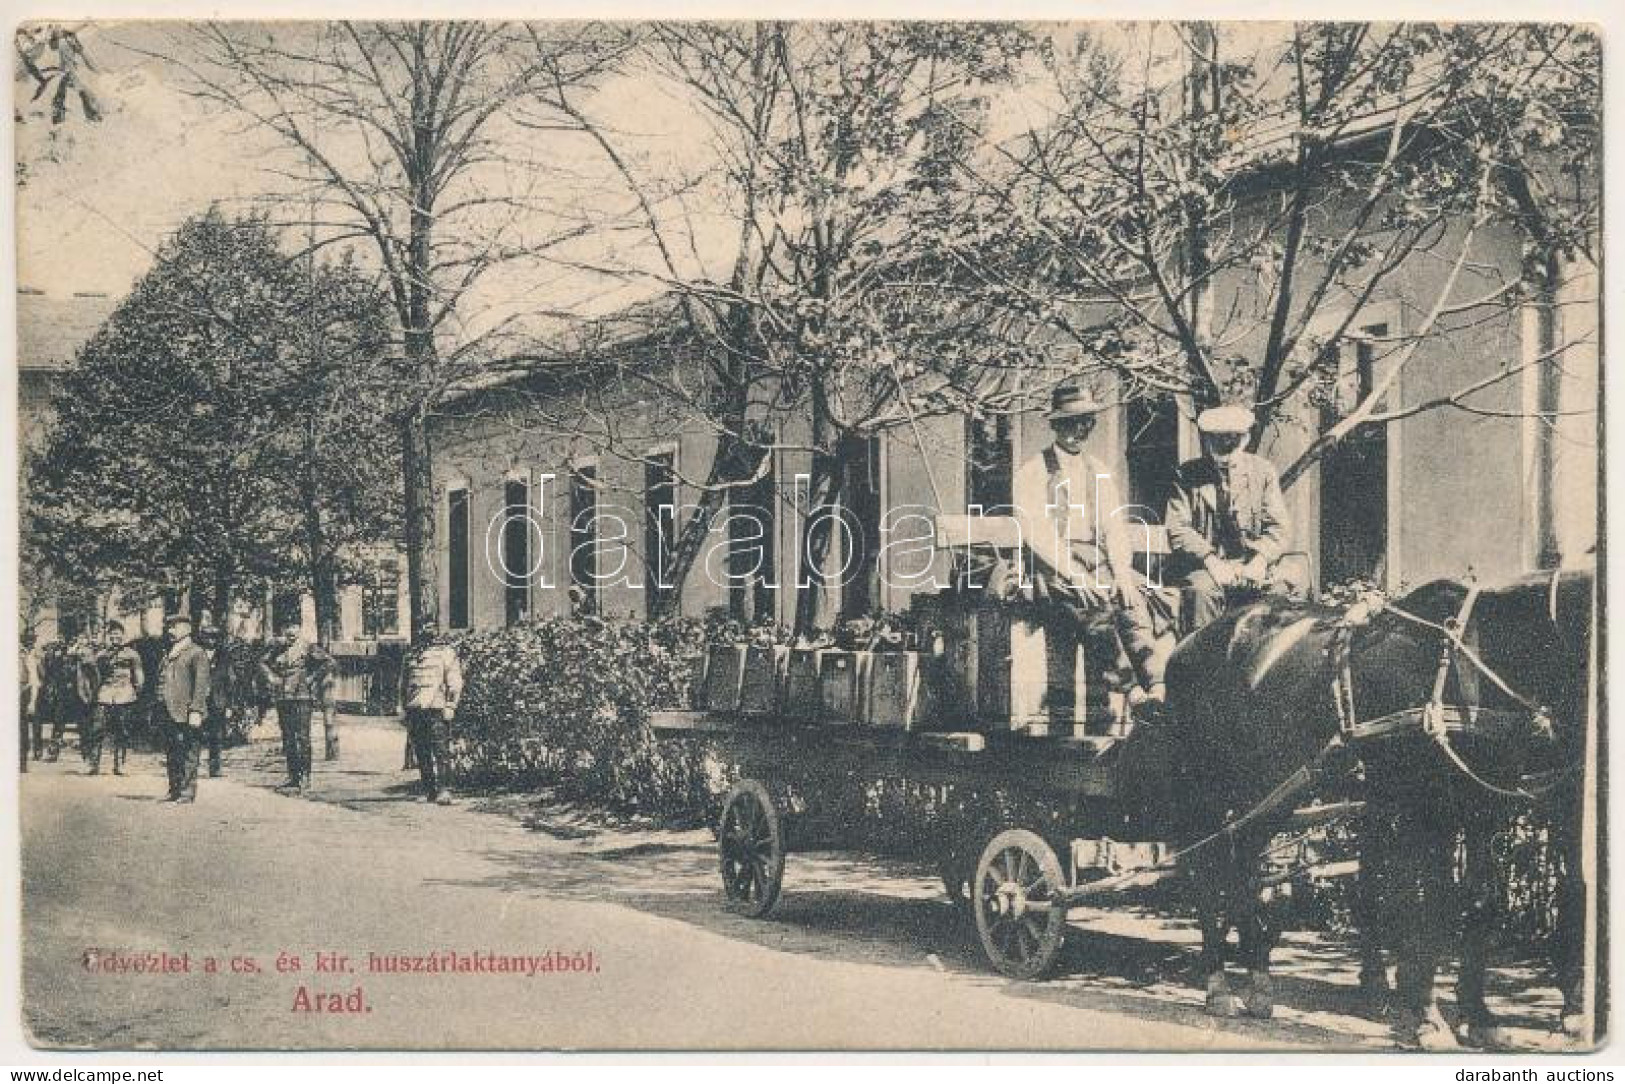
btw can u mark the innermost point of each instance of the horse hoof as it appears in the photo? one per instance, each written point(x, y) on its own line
point(1430, 1034)
point(1220, 1001)
point(1259, 1000)
point(1489, 1037)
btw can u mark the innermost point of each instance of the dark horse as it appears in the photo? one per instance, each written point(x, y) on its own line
point(1253, 698)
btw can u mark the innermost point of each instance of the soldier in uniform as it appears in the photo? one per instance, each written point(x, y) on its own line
point(183, 700)
point(73, 678)
point(221, 691)
point(296, 669)
point(431, 684)
point(1227, 520)
point(122, 677)
point(29, 680)
point(1067, 505)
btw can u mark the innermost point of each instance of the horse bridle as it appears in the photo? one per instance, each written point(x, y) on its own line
point(1433, 715)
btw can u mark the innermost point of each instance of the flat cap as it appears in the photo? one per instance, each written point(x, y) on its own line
point(1229, 418)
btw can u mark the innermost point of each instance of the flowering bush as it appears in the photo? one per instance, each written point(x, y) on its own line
point(566, 702)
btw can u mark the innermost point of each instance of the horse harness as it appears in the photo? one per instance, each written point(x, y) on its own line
point(1436, 719)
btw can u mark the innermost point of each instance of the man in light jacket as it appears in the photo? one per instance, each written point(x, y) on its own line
point(122, 678)
point(1227, 519)
point(183, 697)
point(296, 669)
point(431, 685)
point(1071, 520)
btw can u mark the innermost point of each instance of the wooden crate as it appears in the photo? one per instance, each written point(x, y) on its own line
point(841, 685)
point(990, 672)
point(966, 676)
point(763, 682)
point(803, 694)
point(893, 698)
point(724, 677)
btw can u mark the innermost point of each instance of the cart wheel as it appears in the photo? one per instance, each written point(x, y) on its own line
point(750, 842)
point(1016, 878)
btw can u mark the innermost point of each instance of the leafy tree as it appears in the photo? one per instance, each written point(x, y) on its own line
point(402, 132)
point(1212, 225)
point(176, 455)
point(51, 66)
point(832, 151)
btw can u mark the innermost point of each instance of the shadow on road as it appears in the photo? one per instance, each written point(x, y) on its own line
point(1129, 959)
point(903, 921)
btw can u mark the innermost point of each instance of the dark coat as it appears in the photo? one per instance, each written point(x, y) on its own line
point(183, 682)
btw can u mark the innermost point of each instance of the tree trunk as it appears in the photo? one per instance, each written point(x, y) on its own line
point(813, 541)
point(323, 575)
point(422, 577)
point(1201, 98)
point(733, 461)
point(221, 598)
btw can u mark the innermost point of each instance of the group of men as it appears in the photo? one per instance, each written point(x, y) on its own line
point(99, 686)
point(1226, 520)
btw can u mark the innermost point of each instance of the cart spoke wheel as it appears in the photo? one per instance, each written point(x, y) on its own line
point(750, 846)
point(1012, 896)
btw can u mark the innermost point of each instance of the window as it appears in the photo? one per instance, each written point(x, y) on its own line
point(660, 522)
point(457, 558)
point(752, 529)
point(516, 550)
point(380, 599)
point(989, 477)
point(584, 538)
point(287, 604)
point(860, 578)
point(1354, 472)
point(1152, 453)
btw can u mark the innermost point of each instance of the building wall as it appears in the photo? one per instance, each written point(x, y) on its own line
point(1466, 489)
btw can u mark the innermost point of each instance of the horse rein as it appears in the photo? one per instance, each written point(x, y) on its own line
point(1453, 648)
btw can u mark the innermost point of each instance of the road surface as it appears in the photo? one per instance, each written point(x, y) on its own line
point(858, 955)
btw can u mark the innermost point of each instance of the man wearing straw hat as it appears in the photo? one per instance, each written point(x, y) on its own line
point(1068, 507)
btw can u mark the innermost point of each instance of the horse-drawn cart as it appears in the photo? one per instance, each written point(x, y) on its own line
point(1090, 815)
point(1046, 803)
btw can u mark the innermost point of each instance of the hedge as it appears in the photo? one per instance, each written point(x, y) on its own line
point(565, 703)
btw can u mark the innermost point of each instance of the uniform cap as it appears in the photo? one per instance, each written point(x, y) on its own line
point(1229, 418)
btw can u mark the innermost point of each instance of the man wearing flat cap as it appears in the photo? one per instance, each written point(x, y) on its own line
point(1227, 520)
point(1067, 503)
point(183, 694)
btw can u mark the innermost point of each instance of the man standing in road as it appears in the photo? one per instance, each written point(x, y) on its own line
point(28, 678)
point(1227, 520)
point(183, 698)
point(296, 669)
point(71, 680)
point(222, 678)
point(431, 684)
point(122, 677)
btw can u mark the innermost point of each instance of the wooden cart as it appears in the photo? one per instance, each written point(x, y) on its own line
point(1017, 879)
